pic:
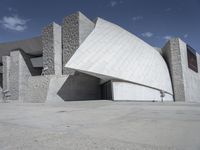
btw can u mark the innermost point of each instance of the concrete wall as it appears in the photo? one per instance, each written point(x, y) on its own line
point(37, 89)
point(14, 74)
point(186, 82)
point(45, 88)
point(80, 87)
point(1, 94)
point(6, 73)
point(55, 85)
point(20, 70)
point(75, 29)
point(1, 87)
point(60, 88)
point(37, 62)
point(1, 80)
point(172, 55)
point(130, 91)
point(191, 78)
point(52, 49)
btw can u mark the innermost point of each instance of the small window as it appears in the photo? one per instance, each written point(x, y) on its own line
point(192, 59)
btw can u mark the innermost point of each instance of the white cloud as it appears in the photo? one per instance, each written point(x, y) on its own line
point(10, 9)
point(167, 37)
point(14, 23)
point(114, 3)
point(136, 18)
point(185, 36)
point(147, 34)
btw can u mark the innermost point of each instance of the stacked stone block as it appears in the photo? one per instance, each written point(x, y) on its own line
point(6, 73)
point(172, 55)
point(52, 50)
point(75, 30)
point(20, 70)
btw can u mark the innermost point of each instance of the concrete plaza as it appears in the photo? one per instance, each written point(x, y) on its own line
point(101, 125)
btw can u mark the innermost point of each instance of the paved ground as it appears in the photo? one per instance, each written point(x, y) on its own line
point(101, 125)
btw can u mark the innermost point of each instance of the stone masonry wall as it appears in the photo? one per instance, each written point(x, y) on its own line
point(21, 69)
point(14, 75)
point(52, 49)
point(75, 29)
point(70, 39)
point(6, 72)
point(172, 55)
point(80, 87)
point(37, 89)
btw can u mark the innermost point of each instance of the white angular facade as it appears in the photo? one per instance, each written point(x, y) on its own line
point(86, 60)
point(116, 54)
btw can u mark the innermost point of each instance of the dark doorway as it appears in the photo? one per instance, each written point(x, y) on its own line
point(106, 91)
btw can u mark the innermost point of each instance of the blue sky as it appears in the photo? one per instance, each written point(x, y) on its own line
point(154, 21)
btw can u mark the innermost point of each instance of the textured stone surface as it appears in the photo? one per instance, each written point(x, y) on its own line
point(21, 70)
point(1, 94)
point(55, 85)
point(45, 88)
point(59, 88)
point(6, 73)
point(1, 80)
point(1, 87)
point(80, 87)
point(14, 74)
point(38, 88)
point(75, 29)
point(172, 54)
point(52, 49)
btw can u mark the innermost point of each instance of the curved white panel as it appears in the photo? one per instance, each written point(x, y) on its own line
point(112, 51)
point(130, 91)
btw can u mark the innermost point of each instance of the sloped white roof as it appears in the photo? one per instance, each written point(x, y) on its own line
point(110, 51)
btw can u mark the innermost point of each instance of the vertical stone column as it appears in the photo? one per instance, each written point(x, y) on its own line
point(75, 29)
point(52, 49)
point(20, 70)
point(172, 54)
point(6, 73)
point(14, 75)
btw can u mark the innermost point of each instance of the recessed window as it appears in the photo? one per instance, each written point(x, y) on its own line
point(192, 59)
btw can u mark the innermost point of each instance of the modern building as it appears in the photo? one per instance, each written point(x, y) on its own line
point(93, 60)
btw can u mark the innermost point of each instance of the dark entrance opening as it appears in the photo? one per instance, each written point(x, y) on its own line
point(106, 91)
